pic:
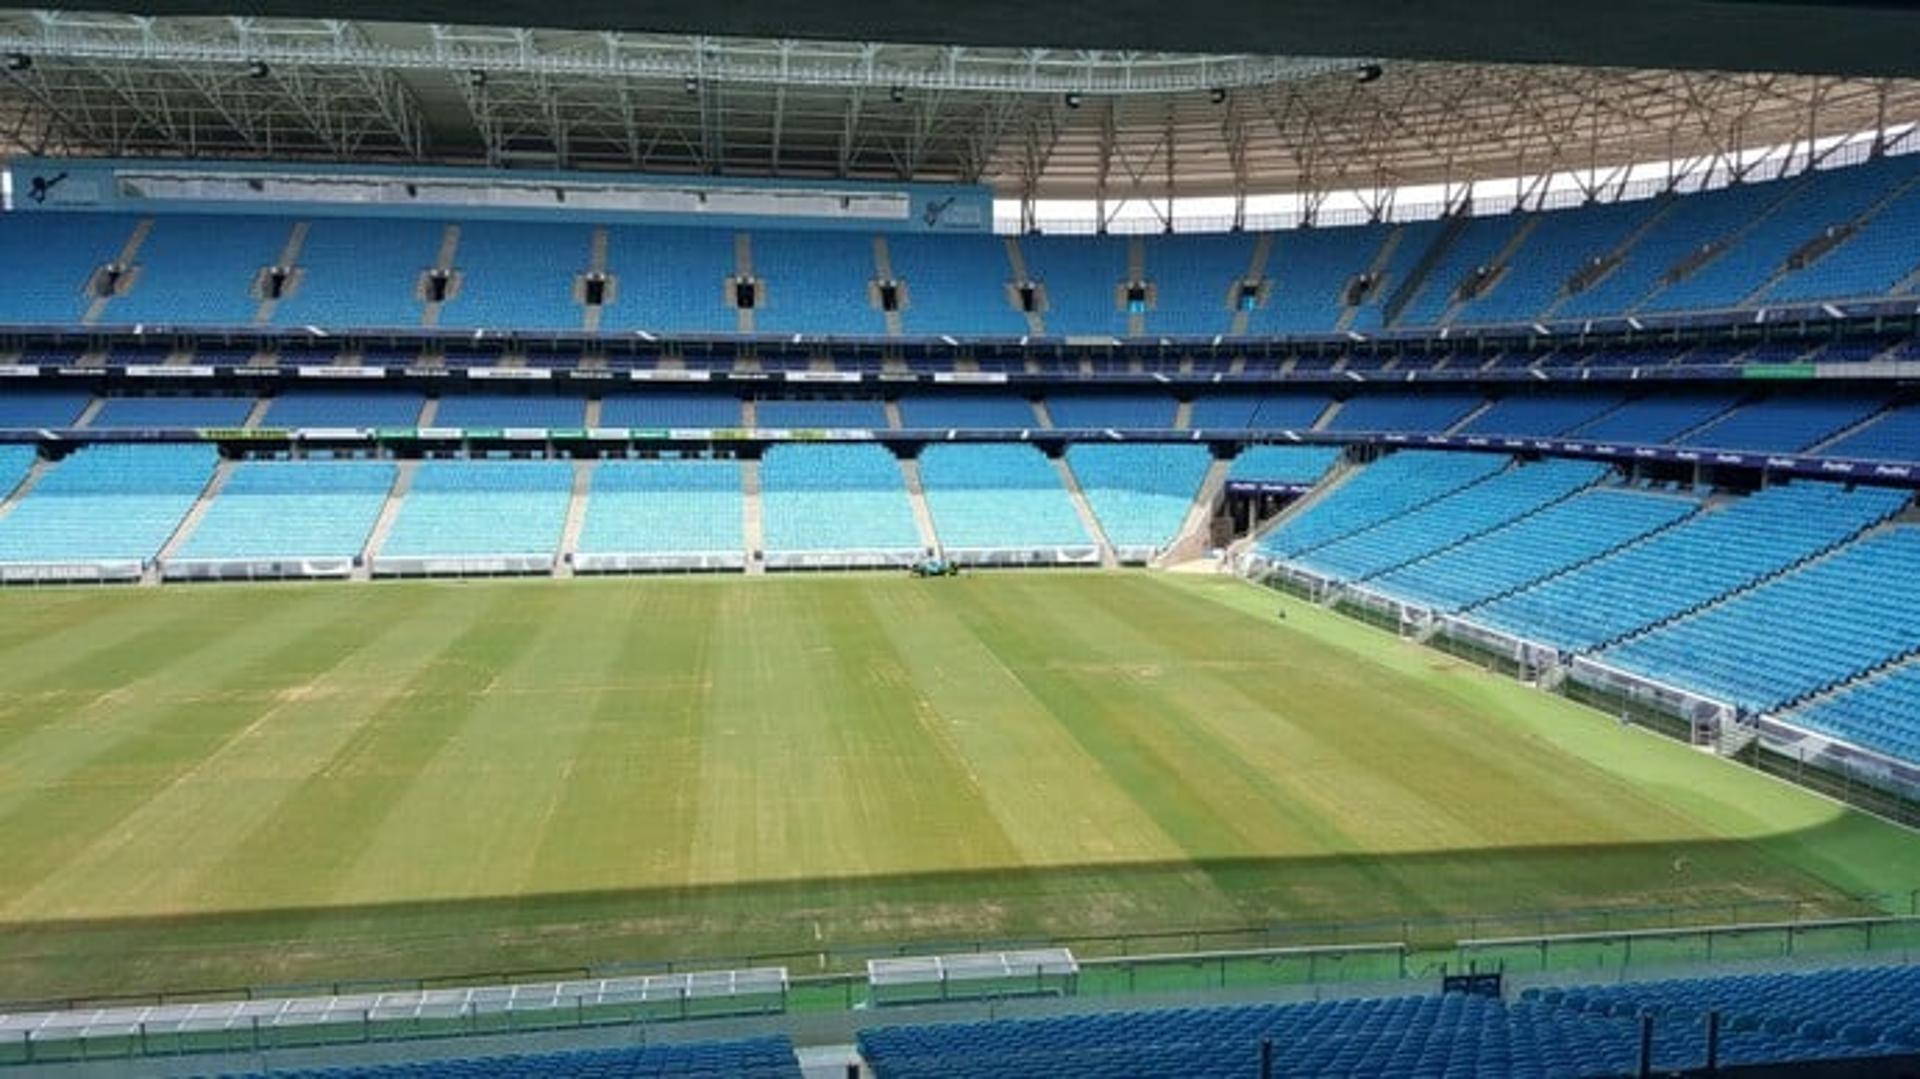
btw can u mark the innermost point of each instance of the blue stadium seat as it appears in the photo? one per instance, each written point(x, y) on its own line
point(112, 502)
point(1679, 569)
point(515, 274)
point(1138, 412)
point(1247, 410)
point(1533, 548)
point(806, 413)
point(1798, 634)
point(1449, 518)
point(1298, 466)
point(1381, 491)
point(979, 411)
point(172, 412)
point(344, 408)
point(670, 408)
point(993, 496)
point(509, 410)
point(291, 510)
point(1404, 412)
point(664, 507)
point(1141, 492)
point(482, 508)
point(835, 497)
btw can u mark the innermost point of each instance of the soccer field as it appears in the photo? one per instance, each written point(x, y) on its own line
point(269, 785)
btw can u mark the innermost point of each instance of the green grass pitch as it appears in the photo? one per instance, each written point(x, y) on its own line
point(266, 785)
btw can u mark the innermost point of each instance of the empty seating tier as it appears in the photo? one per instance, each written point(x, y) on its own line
point(344, 408)
point(1120, 411)
point(1688, 565)
point(1734, 248)
point(860, 415)
point(1796, 635)
point(987, 497)
point(1583, 527)
point(1894, 436)
point(292, 510)
point(1540, 415)
point(1450, 518)
point(507, 410)
point(108, 504)
point(1258, 411)
point(1283, 466)
point(980, 411)
point(1783, 423)
point(1765, 1018)
point(664, 514)
point(670, 409)
point(479, 516)
point(173, 412)
point(1652, 420)
point(1140, 493)
point(1397, 412)
point(42, 408)
point(838, 504)
point(1880, 713)
point(1383, 490)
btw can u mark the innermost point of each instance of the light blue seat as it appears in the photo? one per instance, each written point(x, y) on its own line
point(990, 496)
point(1383, 490)
point(1881, 713)
point(997, 411)
point(484, 508)
point(1797, 634)
point(1694, 563)
point(835, 498)
point(509, 410)
point(862, 415)
point(1283, 466)
point(345, 408)
point(183, 280)
point(1532, 548)
point(815, 282)
point(1140, 492)
point(1451, 518)
point(115, 502)
point(519, 274)
point(1121, 411)
point(670, 408)
point(292, 510)
point(172, 412)
point(361, 273)
point(1396, 411)
point(664, 507)
point(1257, 411)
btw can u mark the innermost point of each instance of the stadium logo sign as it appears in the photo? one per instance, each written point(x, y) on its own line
point(42, 186)
point(936, 210)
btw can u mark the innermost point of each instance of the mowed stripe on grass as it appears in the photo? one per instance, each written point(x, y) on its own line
point(275, 784)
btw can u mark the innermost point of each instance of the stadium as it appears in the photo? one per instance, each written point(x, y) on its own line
point(605, 540)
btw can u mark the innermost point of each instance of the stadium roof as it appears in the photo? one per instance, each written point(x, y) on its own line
point(1033, 122)
point(1834, 37)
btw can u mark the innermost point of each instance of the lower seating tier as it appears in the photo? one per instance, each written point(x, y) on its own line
point(1775, 1018)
